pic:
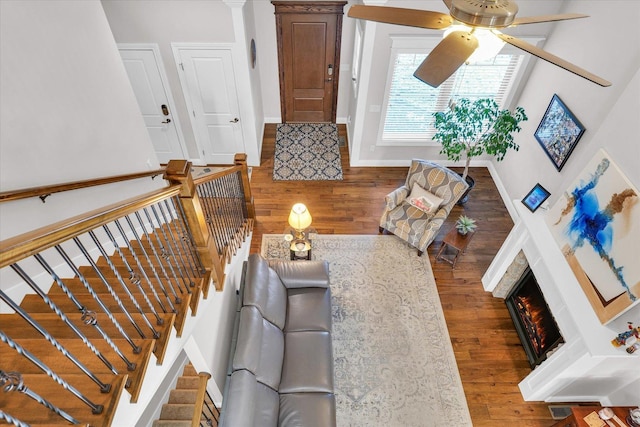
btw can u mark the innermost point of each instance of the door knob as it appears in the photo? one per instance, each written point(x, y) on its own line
point(166, 121)
point(235, 120)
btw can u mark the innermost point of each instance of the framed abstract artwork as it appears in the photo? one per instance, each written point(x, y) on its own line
point(596, 223)
point(535, 197)
point(558, 132)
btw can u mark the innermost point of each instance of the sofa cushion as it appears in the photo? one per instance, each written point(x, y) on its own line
point(260, 347)
point(264, 290)
point(308, 363)
point(302, 274)
point(307, 410)
point(250, 403)
point(308, 309)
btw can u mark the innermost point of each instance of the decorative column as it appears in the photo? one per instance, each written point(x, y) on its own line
point(179, 172)
point(241, 160)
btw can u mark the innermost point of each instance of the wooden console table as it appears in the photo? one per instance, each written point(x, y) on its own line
point(576, 419)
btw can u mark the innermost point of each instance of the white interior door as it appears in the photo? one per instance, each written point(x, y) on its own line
point(150, 88)
point(209, 86)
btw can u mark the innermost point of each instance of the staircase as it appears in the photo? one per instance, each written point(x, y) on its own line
point(140, 320)
point(189, 403)
point(107, 292)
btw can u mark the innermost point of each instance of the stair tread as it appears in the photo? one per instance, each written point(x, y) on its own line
point(60, 364)
point(172, 423)
point(177, 411)
point(29, 411)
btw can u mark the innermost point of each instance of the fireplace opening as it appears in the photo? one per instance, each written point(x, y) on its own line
point(534, 322)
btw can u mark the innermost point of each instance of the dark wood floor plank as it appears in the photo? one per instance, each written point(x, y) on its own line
point(489, 355)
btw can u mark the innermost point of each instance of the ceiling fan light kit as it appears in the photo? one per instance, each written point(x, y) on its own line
point(484, 13)
point(458, 46)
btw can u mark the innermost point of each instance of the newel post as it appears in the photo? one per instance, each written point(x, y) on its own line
point(179, 172)
point(240, 159)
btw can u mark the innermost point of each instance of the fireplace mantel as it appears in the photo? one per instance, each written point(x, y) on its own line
point(586, 367)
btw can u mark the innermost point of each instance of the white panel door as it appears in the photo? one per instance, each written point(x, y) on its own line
point(144, 72)
point(210, 91)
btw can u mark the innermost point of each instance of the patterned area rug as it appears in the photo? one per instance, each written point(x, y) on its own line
point(394, 363)
point(307, 152)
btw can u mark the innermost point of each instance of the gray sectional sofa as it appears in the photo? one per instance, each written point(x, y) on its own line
point(281, 372)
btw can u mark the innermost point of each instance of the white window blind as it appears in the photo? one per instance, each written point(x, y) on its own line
point(410, 103)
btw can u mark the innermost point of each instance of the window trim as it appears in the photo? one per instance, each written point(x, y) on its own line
point(416, 44)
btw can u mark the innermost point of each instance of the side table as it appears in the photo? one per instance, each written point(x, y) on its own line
point(457, 243)
point(300, 245)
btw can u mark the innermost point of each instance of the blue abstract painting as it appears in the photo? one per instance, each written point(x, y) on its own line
point(597, 225)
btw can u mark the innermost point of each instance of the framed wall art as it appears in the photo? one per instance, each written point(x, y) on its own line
point(558, 132)
point(596, 223)
point(535, 197)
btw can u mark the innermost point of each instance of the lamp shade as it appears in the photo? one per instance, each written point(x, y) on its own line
point(299, 218)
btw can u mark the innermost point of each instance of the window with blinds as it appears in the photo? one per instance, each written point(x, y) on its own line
point(410, 103)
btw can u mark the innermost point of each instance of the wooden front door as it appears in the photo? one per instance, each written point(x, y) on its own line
point(309, 35)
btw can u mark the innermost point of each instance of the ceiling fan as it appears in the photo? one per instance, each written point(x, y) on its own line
point(457, 46)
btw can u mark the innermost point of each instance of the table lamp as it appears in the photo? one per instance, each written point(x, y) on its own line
point(299, 219)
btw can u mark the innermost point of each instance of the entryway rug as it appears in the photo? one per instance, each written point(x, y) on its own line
point(307, 152)
point(394, 362)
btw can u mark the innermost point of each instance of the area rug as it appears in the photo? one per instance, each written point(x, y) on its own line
point(394, 363)
point(307, 152)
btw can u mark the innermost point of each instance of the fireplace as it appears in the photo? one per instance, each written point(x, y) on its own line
point(532, 318)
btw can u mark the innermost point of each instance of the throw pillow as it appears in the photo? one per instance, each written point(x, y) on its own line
point(424, 200)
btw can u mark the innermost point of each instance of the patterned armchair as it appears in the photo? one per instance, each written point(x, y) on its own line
point(411, 223)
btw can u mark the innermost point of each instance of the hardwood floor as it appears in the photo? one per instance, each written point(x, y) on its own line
point(489, 355)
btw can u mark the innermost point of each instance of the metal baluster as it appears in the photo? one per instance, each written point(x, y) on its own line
point(237, 214)
point(177, 242)
point(179, 233)
point(120, 280)
point(104, 388)
point(234, 217)
point(166, 253)
point(217, 217)
point(12, 420)
point(209, 211)
point(63, 316)
point(188, 238)
point(215, 412)
point(113, 294)
point(136, 348)
point(178, 300)
point(12, 381)
point(96, 409)
point(134, 279)
point(144, 272)
point(227, 219)
point(243, 205)
point(171, 255)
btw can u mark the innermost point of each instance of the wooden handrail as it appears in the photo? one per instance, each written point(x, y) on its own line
point(215, 175)
point(16, 248)
point(47, 190)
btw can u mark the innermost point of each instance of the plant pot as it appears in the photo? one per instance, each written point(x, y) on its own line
point(465, 196)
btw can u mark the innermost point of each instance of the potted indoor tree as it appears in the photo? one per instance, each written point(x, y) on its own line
point(471, 129)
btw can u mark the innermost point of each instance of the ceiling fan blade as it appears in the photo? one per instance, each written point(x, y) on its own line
point(400, 16)
point(446, 58)
point(547, 18)
point(527, 47)
point(447, 3)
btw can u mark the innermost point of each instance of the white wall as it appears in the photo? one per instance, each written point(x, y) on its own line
point(610, 115)
point(67, 111)
point(166, 22)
